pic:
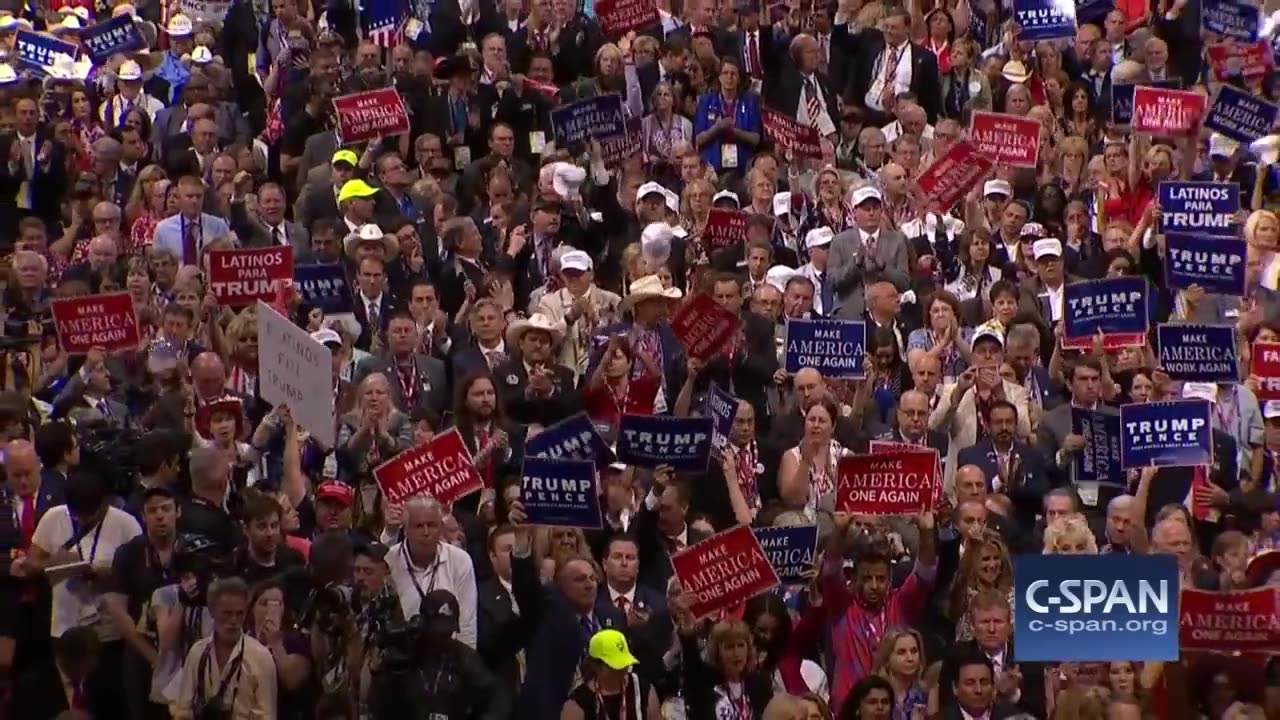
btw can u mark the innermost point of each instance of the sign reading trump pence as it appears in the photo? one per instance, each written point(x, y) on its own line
point(723, 571)
point(1116, 307)
point(893, 483)
point(649, 441)
point(833, 347)
point(441, 469)
point(106, 321)
point(1166, 434)
point(560, 493)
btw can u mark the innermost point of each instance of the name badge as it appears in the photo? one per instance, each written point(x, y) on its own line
point(729, 155)
point(537, 142)
point(1088, 493)
point(461, 157)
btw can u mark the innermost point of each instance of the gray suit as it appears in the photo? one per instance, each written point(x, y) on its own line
point(850, 269)
point(432, 390)
point(1055, 426)
point(170, 122)
point(318, 152)
point(254, 233)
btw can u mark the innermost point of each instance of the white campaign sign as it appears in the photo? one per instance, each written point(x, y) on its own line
point(296, 370)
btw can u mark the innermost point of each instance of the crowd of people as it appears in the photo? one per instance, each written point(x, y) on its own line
point(180, 548)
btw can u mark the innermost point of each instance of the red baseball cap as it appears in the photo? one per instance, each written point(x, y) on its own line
point(336, 491)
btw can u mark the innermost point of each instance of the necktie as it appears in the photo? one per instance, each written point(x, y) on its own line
point(871, 242)
point(406, 206)
point(77, 697)
point(824, 291)
point(812, 104)
point(104, 408)
point(275, 236)
point(824, 52)
point(891, 58)
point(428, 341)
point(589, 625)
point(674, 545)
point(753, 57)
point(495, 358)
point(544, 255)
point(623, 603)
point(190, 246)
point(374, 317)
point(28, 519)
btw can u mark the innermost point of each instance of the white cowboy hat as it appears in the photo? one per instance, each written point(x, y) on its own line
point(129, 70)
point(65, 68)
point(536, 321)
point(370, 232)
point(201, 55)
point(7, 75)
point(1015, 72)
point(179, 26)
point(649, 287)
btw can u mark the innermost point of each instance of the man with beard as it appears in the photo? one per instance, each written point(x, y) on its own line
point(1015, 468)
point(265, 556)
point(535, 390)
point(496, 445)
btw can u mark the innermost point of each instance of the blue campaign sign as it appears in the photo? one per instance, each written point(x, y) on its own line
point(1206, 208)
point(1231, 19)
point(1093, 10)
point(1216, 264)
point(1240, 116)
point(560, 493)
point(721, 407)
point(1100, 460)
point(649, 441)
point(1114, 305)
point(790, 550)
point(1045, 19)
point(117, 35)
point(1096, 608)
point(1199, 353)
point(574, 438)
point(835, 347)
point(324, 286)
point(1122, 99)
point(594, 118)
point(1166, 434)
point(36, 50)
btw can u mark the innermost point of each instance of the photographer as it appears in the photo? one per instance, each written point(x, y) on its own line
point(228, 675)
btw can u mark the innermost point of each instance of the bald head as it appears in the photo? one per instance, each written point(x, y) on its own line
point(208, 374)
point(970, 484)
point(22, 468)
point(809, 387)
point(913, 415)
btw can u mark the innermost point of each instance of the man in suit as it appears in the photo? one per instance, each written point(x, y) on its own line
point(673, 58)
point(913, 424)
point(981, 678)
point(641, 610)
point(1060, 444)
point(499, 626)
point(396, 197)
point(1043, 293)
point(1022, 351)
point(417, 380)
point(317, 148)
point(747, 366)
point(795, 86)
point(268, 226)
point(28, 493)
point(864, 254)
point(661, 528)
point(1227, 166)
point(193, 154)
point(171, 123)
point(649, 332)
point(372, 302)
point(63, 683)
point(34, 183)
point(483, 346)
point(1015, 468)
point(321, 200)
point(91, 389)
point(534, 389)
point(885, 64)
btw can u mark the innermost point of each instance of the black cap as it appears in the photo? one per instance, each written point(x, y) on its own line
point(374, 550)
point(439, 604)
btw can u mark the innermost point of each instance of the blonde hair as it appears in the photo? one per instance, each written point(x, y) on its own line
point(723, 633)
point(243, 326)
point(1255, 219)
point(884, 651)
point(967, 572)
point(1069, 529)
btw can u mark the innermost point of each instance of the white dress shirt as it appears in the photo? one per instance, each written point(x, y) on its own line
point(825, 125)
point(452, 571)
point(901, 77)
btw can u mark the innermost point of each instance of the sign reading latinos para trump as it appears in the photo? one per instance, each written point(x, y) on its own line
point(1266, 367)
point(704, 326)
point(1241, 116)
point(1045, 19)
point(1122, 99)
point(106, 321)
point(725, 228)
point(790, 550)
point(619, 17)
point(722, 408)
point(893, 483)
point(594, 118)
point(441, 469)
point(649, 441)
point(574, 438)
point(370, 115)
point(560, 493)
point(788, 134)
point(1166, 113)
point(324, 286)
point(298, 371)
point(37, 50)
point(833, 347)
point(117, 35)
point(1199, 353)
point(1207, 208)
point(240, 277)
point(1216, 264)
point(1230, 19)
point(1099, 461)
point(1005, 138)
point(723, 571)
point(1116, 307)
point(1241, 621)
point(954, 174)
point(1166, 434)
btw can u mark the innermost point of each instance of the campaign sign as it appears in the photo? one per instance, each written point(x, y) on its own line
point(834, 347)
point(296, 370)
point(594, 118)
point(1166, 113)
point(951, 176)
point(323, 286)
point(1231, 19)
point(1248, 60)
point(1216, 264)
point(880, 447)
point(1045, 19)
point(370, 115)
point(1166, 434)
point(240, 277)
point(789, 135)
point(117, 35)
point(441, 469)
point(1207, 208)
point(1005, 138)
point(205, 11)
point(1239, 621)
point(560, 493)
point(36, 50)
point(106, 321)
point(1099, 462)
point(619, 17)
point(722, 408)
point(1199, 353)
point(704, 326)
point(574, 438)
point(1113, 306)
point(1266, 367)
point(617, 150)
point(1122, 99)
point(649, 441)
point(790, 550)
point(723, 571)
point(1241, 116)
point(894, 483)
point(725, 228)
point(1095, 608)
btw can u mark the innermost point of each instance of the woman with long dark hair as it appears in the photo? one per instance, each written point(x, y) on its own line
point(870, 699)
point(771, 629)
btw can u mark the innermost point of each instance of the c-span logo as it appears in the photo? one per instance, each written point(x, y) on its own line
point(1086, 608)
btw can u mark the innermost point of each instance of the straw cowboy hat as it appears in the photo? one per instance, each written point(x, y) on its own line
point(370, 232)
point(649, 287)
point(536, 321)
point(1015, 72)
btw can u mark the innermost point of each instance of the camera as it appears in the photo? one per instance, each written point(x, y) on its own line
point(110, 452)
point(328, 608)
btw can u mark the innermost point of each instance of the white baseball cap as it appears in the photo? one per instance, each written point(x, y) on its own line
point(575, 260)
point(782, 204)
point(1271, 409)
point(650, 188)
point(779, 275)
point(987, 331)
point(726, 195)
point(997, 187)
point(865, 193)
point(818, 237)
point(1047, 247)
point(567, 178)
point(655, 242)
point(201, 55)
point(325, 336)
point(1200, 391)
point(179, 26)
point(1222, 146)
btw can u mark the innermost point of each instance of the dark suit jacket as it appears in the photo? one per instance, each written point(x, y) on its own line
point(432, 390)
point(1171, 485)
point(1031, 699)
point(648, 642)
point(655, 560)
point(453, 280)
point(865, 49)
point(500, 632)
point(1031, 477)
point(512, 380)
point(358, 309)
point(48, 186)
point(750, 372)
point(42, 695)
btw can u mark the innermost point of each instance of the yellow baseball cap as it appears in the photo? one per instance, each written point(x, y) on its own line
point(356, 189)
point(346, 156)
point(610, 648)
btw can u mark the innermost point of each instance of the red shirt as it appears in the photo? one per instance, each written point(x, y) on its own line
point(603, 406)
point(1131, 204)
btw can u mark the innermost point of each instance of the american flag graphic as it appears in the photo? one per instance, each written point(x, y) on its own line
point(381, 21)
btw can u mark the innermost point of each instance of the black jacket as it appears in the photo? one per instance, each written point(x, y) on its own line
point(451, 683)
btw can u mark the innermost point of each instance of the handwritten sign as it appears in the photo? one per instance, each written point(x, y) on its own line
point(1199, 353)
point(370, 115)
point(1240, 115)
point(205, 11)
point(723, 571)
point(441, 469)
point(37, 50)
point(704, 327)
point(954, 174)
point(117, 35)
point(619, 17)
point(834, 347)
point(725, 228)
point(789, 135)
point(594, 118)
point(1216, 264)
point(1230, 622)
point(298, 371)
point(895, 483)
point(1166, 113)
point(1005, 138)
point(1266, 367)
point(107, 321)
point(1045, 19)
point(1114, 306)
point(1206, 208)
point(790, 550)
point(241, 277)
point(560, 493)
point(1099, 461)
point(1166, 434)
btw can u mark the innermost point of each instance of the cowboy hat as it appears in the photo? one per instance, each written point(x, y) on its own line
point(370, 233)
point(64, 68)
point(649, 287)
point(1015, 72)
point(536, 321)
point(229, 405)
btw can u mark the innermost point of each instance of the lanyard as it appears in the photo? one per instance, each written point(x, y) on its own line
point(408, 381)
point(413, 578)
point(97, 534)
point(740, 705)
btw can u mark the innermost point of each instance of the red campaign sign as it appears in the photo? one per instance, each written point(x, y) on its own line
point(787, 133)
point(1164, 112)
point(892, 483)
point(106, 321)
point(371, 114)
point(1266, 366)
point(725, 228)
point(548, 89)
point(954, 174)
point(704, 327)
point(619, 17)
point(1111, 342)
point(723, 571)
point(1005, 138)
point(243, 277)
point(442, 469)
point(1252, 60)
point(881, 447)
point(1244, 621)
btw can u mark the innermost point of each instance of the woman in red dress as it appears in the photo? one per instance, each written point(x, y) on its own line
point(615, 390)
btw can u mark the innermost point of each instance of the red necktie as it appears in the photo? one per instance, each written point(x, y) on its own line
point(28, 519)
point(77, 697)
point(753, 57)
point(623, 603)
